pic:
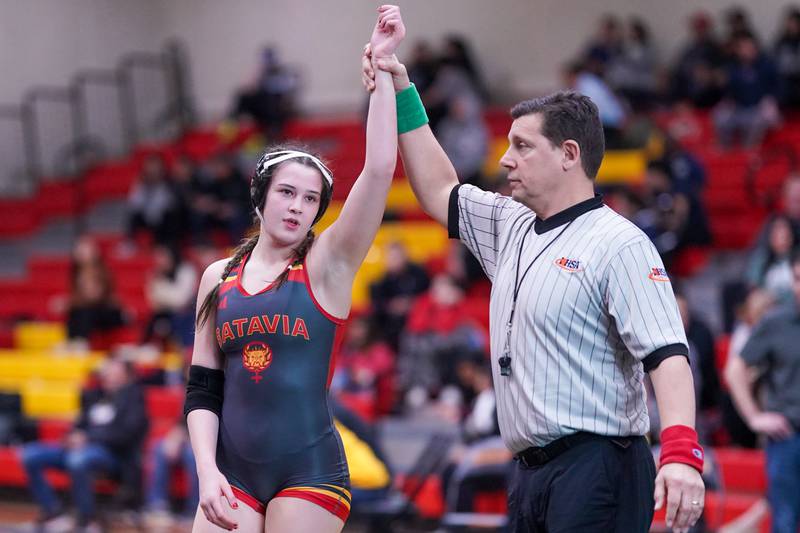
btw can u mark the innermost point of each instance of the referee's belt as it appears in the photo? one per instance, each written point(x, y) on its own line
point(539, 455)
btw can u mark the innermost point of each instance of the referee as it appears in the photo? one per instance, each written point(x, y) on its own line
point(581, 307)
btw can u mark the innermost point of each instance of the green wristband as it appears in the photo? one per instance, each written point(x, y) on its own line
point(410, 111)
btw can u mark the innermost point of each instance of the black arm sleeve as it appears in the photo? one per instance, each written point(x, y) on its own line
point(204, 390)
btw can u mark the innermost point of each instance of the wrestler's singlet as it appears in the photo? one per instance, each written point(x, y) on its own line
point(276, 435)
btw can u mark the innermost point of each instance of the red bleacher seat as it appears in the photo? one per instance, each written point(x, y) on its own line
point(721, 347)
point(165, 402)
point(53, 430)
point(363, 404)
point(59, 197)
point(690, 261)
point(429, 499)
point(50, 274)
point(742, 469)
point(201, 144)
point(21, 299)
point(18, 217)
point(11, 472)
point(109, 181)
point(495, 502)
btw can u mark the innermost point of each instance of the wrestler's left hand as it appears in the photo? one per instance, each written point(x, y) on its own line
point(214, 491)
point(685, 495)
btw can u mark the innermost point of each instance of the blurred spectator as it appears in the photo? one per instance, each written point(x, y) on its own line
point(464, 137)
point(457, 75)
point(169, 453)
point(587, 79)
point(365, 364)
point(152, 204)
point(482, 462)
point(438, 332)
point(683, 124)
point(92, 306)
point(370, 474)
point(633, 72)
point(749, 107)
point(606, 45)
point(170, 293)
point(223, 200)
point(789, 207)
point(787, 60)
point(422, 66)
point(107, 437)
point(737, 24)
point(688, 178)
point(734, 292)
point(185, 181)
point(465, 268)
point(393, 295)
point(697, 76)
point(771, 352)
point(457, 54)
point(769, 265)
point(664, 214)
point(269, 99)
point(756, 305)
point(708, 391)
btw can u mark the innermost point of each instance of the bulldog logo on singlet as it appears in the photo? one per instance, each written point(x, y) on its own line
point(256, 356)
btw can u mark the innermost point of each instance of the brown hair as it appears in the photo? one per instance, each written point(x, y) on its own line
point(259, 185)
point(569, 115)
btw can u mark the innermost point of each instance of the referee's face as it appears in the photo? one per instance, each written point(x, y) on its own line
point(534, 165)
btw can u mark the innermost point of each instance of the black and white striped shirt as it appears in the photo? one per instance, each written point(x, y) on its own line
point(594, 312)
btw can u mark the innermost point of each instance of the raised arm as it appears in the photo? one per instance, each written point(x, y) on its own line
point(430, 172)
point(345, 244)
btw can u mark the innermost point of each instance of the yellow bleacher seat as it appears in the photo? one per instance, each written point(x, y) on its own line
point(94, 355)
point(39, 335)
point(497, 147)
point(331, 214)
point(17, 372)
point(43, 399)
point(401, 197)
point(622, 166)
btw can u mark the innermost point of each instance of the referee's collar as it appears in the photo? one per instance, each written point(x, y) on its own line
point(543, 225)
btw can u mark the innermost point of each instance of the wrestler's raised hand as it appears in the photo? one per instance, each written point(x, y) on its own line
point(388, 32)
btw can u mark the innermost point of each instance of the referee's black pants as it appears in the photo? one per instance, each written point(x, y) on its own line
point(602, 484)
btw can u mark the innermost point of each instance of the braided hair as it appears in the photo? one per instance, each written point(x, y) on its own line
point(259, 184)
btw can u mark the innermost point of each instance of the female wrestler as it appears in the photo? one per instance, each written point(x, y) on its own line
point(269, 323)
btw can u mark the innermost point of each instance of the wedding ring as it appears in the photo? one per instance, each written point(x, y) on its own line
point(695, 502)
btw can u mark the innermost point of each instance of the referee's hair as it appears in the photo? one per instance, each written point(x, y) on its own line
point(569, 115)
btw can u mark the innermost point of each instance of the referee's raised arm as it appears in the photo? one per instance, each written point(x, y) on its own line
point(430, 172)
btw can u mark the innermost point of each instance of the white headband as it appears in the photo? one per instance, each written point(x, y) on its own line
point(292, 154)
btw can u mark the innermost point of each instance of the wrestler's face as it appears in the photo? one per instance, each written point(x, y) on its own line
point(292, 202)
point(534, 165)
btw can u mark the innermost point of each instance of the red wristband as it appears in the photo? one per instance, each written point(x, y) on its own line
point(679, 445)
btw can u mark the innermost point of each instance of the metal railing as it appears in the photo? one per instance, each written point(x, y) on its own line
point(19, 157)
point(101, 114)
